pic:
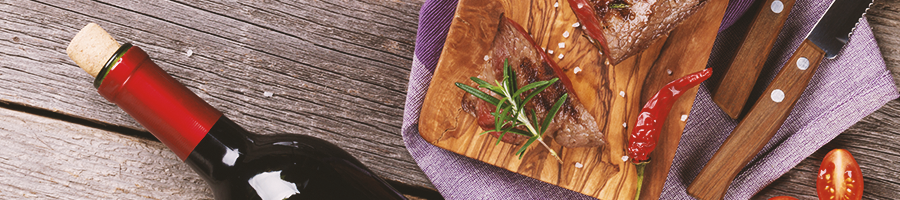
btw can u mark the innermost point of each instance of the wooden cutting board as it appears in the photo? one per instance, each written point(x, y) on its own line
point(603, 173)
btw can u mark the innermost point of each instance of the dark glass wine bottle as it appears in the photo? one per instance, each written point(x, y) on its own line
point(237, 164)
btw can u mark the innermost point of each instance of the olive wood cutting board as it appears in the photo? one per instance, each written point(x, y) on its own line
point(603, 173)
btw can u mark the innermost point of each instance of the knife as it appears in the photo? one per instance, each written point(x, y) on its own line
point(829, 35)
point(734, 89)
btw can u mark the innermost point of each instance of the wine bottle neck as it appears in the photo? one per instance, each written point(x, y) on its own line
point(171, 112)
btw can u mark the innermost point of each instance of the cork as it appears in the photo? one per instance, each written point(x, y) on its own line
point(91, 48)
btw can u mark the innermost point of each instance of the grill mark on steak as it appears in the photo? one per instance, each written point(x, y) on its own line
point(622, 33)
point(573, 126)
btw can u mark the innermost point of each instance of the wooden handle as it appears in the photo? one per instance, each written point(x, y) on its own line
point(760, 124)
point(734, 89)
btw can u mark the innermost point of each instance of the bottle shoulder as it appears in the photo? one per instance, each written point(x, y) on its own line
point(241, 165)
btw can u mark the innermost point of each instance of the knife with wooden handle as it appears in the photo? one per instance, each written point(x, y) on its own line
point(830, 34)
point(734, 89)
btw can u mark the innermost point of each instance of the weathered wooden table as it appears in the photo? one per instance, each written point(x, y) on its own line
point(336, 69)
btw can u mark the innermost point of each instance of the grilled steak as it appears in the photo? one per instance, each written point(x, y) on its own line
point(573, 126)
point(622, 28)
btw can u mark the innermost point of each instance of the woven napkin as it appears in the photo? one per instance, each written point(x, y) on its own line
point(842, 92)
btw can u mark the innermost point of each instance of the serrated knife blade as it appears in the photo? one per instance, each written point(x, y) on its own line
point(833, 30)
point(830, 34)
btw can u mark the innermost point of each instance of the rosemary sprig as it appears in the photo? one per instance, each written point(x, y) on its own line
point(511, 113)
point(619, 6)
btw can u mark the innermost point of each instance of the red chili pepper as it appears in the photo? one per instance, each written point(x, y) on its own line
point(646, 131)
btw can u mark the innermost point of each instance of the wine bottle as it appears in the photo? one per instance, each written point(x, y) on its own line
point(237, 164)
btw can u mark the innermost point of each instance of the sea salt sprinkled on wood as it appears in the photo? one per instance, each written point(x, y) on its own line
point(669, 71)
point(550, 51)
point(566, 34)
point(624, 158)
point(189, 52)
point(576, 24)
point(622, 93)
point(267, 94)
point(486, 57)
point(556, 5)
point(578, 165)
point(576, 70)
point(683, 117)
point(560, 56)
point(625, 124)
point(562, 45)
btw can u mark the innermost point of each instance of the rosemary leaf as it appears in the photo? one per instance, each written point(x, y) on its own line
point(619, 6)
point(500, 138)
point(552, 113)
point(532, 86)
point(486, 85)
point(478, 93)
point(521, 151)
point(539, 90)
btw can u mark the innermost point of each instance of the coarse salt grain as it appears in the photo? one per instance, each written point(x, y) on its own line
point(566, 34)
point(556, 5)
point(562, 45)
point(560, 56)
point(578, 165)
point(267, 94)
point(486, 57)
point(580, 5)
point(624, 158)
point(189, 52)
point(625, 124)
point(576, 24)
point(683, 117)
point(622, 93)
point(669, 71)
point(550, 51)
point(576, 70)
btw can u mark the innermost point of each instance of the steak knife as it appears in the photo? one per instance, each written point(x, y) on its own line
point(734, 89)
point(825, 41)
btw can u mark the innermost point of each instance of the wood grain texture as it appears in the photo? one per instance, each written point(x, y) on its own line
point(686, 51)
point(33, 35)
point(759, 126)
point(597, 85)
point(338, 69)
point(45, 158)
point(734, 88)
point(873, 141)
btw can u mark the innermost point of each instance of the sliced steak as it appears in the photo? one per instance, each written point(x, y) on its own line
point(622, 28)
point(573, 126)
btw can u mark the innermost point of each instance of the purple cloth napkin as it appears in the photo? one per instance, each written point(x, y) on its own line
point(842, 92)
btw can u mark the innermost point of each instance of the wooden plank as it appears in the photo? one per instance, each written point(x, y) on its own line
point(338, 69)
point(873, 144)
point(884, 18)
point(50, 159)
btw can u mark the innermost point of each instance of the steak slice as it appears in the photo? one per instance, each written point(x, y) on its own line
point(573, 126)
point(622, 28)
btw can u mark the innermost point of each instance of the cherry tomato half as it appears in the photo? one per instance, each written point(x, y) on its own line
point(783, 198)
point(839, 177)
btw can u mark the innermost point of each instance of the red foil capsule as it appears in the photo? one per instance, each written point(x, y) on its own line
point(171, 112)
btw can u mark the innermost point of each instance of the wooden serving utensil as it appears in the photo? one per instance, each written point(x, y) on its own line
point(734, 89)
